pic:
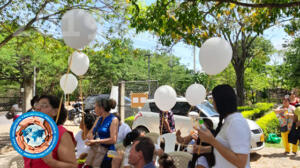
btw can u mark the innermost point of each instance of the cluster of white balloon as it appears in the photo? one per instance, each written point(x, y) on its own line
point(79, 28)
point(215, 55)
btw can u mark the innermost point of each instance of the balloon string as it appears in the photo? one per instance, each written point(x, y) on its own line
point(81, 97)
point(162, 123)
point(59, 108)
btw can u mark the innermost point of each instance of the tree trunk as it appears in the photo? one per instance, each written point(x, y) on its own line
point(239, 84)
point(28, 88)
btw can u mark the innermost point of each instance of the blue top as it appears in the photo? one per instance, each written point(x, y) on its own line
point(102, 130)
point(149, 165)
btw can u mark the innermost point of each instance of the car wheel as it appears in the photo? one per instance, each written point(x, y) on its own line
point(143, 129)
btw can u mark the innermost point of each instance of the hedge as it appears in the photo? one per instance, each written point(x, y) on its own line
point(245, 108)
point(258, 111)
point(129, 121)
point(269, 124)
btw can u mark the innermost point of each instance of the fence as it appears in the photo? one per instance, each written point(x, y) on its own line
point(128, 87)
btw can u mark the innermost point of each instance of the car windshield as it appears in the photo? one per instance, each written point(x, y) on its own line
point(208, 109)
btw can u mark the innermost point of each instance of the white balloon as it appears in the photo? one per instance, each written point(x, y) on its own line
point(68, 83)
point(78, 27)
point(215, 55)
point(195, 94)
point(80, 63)
point(165, 97)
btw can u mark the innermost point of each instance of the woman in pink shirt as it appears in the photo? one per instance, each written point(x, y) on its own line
point(63, 155)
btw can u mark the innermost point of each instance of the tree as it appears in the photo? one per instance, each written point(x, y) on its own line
point(20, 15)
point(291, 66)
point(195, 21)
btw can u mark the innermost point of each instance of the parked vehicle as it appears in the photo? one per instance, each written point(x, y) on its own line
point(75, 114)
point(147, 119)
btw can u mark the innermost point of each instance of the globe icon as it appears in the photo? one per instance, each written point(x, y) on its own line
point(34, 135)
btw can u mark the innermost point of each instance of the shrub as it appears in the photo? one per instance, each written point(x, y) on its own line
point(258, 111)
point(244, 108)
point(129, 121)
point(251, 113)
point(269, 124)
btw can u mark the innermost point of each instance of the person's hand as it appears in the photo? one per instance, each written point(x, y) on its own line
point(91, 142)
point(178, 133)
point(195, 136)
point(117, 160)
point(90, 136)
point(205, 135)
point(83, 156)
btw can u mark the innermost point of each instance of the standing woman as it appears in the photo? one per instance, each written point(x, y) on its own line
point(106, 127)
point(231, 146)
point(63, 155)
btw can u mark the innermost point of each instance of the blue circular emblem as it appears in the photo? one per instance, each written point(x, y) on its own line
point(34, 134)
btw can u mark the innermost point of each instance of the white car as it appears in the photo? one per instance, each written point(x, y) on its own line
point(147, 119)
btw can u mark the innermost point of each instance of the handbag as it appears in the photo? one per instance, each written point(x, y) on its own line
point(96, 155)
point(284, 129)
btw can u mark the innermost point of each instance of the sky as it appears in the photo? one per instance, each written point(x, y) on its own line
point(276, 35)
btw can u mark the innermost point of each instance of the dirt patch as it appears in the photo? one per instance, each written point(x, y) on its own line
point(274, 158)
point(5, 144)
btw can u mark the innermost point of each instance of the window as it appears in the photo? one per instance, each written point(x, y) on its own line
point(154, 108)
point(181, 108)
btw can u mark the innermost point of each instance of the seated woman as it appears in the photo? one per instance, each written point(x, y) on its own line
point(81, 137)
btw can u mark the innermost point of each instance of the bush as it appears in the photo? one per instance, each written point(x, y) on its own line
point(269, 124)
point(251, 113)
point(244, 108)
point(258, 110)
point(129, 121)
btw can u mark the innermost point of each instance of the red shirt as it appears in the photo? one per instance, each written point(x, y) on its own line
point(39, 163)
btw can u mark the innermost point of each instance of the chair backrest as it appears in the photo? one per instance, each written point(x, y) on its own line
point(170, 142)
point(16, 162)
point(181, 159)
point(153, 136)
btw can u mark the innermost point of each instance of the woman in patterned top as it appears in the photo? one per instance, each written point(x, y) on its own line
point(168, 122)
point(285, 114)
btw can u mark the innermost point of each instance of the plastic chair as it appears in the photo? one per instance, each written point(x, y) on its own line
point(170, 142)
point(16, 162)
point(153, 136)
point(181, 159)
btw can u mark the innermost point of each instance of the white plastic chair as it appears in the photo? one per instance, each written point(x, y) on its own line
point(170, 141)
point(181, 159)
point(16, 162)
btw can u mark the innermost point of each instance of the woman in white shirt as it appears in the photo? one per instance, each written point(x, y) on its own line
point(81, 136)
point(231, 145)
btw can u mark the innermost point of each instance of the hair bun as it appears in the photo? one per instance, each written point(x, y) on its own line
point(112, 103)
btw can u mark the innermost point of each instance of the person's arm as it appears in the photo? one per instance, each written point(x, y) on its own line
point(166, 124)
point(238, 140)
point(66, 154)
point(184, 140)
point(239, 160)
